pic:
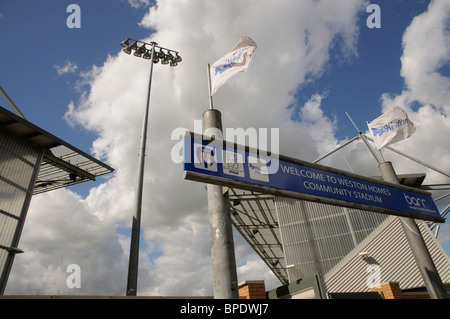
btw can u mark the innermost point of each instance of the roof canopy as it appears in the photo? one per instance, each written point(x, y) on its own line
point(63, 164)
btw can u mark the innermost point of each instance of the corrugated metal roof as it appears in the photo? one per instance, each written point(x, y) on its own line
point(63, 164)
point(254, 216)
point(388, 248)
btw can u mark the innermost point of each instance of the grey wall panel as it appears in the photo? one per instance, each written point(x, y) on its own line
point(20, 160)
point(317, 236)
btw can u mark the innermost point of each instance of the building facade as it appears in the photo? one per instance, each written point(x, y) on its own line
point(33, 161)
point(19, 166)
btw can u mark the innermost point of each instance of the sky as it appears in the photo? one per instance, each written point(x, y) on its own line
point(315, 61)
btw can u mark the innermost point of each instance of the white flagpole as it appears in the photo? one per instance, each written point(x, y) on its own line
point(363, 137)
point(209, 88)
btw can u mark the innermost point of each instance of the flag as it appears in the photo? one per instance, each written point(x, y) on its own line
point(235, 61)
point(391, 127)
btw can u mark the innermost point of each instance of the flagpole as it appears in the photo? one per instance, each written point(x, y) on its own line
point(363, 138)
point(209, 88)
point(222, 243)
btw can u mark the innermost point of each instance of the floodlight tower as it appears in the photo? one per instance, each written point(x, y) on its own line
point(140, 50)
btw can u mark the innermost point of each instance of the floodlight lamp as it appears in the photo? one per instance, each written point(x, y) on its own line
point(134, 46)
point(125, 43)
point(140, 50)
point(155, 58)
point(147, 55)
point(127, 50)
point(363, 254)
point(290, 266)
point(161, 54)
point(173, 63)
point(165, 60)
point(178, 58)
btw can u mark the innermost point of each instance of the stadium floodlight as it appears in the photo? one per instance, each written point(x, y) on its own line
point(150, 53)
point(140, 50)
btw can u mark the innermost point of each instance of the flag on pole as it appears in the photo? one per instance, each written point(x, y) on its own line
point(235, 61)
point(391, 127)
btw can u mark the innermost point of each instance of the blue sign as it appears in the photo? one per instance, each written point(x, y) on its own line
point(221, 163)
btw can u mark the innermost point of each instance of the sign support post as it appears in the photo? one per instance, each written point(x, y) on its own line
point(222, 243)
point(428, 270)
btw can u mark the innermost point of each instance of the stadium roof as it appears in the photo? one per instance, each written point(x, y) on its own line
point(63, 164)
point(254, 216)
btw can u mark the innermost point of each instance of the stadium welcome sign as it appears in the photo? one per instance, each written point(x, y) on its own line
point(228, 164)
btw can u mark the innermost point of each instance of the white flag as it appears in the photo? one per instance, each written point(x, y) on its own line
point(391, 127)
point(235, 61)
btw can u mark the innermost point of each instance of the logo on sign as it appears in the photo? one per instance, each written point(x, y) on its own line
point(233, 164)
point(390, 127)
point(258, 169)
point(414, 201)
point(205, 157)
point(231, 61)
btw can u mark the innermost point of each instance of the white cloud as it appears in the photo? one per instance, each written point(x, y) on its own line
point(55, 237)
point(426, 98)
point(426, 45)
point(139, 3)
point(175, 215)
point(68, 67)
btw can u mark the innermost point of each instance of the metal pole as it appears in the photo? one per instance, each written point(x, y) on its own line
point(13, 105)
point(222, 244)
point(136, 226)
point(337, 149)
point(211, 106)
point(414, 159)
point(350, 226)
point(363, 137)
point(428, 270)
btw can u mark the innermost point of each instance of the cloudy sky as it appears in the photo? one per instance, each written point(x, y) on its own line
point(315, 61)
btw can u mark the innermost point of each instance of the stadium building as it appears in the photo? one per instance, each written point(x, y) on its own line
point(33, 161)
point(323, 251)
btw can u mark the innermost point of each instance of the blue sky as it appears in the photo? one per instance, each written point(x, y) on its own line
point(38, 40)
point(41, 41)
point(355, 86)
point(78, 85)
